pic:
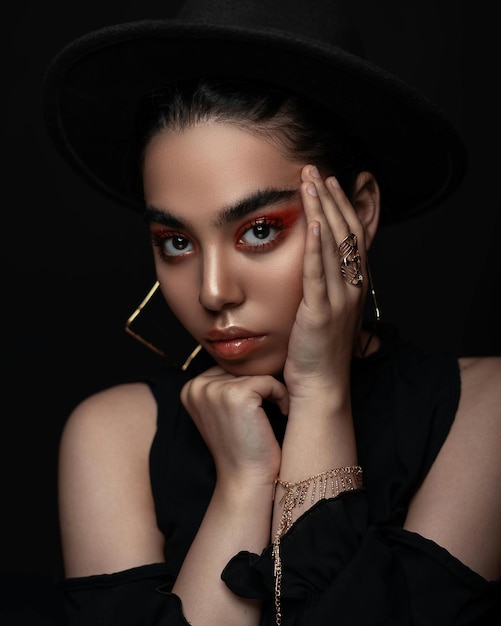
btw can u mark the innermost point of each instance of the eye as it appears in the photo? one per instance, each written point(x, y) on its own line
point(171, 245)
point(261, 232)
point(175, 244)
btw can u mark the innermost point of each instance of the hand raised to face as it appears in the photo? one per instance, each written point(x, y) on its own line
point(328, 320)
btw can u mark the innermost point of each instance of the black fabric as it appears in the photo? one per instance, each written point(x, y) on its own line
point(135, 596)
point(367, 575)
point(347, 560)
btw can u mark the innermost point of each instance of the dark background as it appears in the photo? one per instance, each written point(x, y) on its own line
point(73, 268)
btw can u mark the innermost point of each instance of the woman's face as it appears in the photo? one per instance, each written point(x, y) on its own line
point(228, 230)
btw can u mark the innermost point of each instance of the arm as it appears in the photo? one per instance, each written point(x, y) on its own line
point(107, 516)
point(229, 415)
point(320, 434)
point(459, 503)
point(346, 558)
point(108, 522)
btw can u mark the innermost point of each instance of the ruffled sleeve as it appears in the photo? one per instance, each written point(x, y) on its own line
point(141, 595)
point(338, 569)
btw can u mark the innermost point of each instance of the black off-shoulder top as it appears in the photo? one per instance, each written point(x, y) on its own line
point(347, 561)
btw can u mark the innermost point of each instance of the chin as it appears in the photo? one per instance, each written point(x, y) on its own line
point(254, 367)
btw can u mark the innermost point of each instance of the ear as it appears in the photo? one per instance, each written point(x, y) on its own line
point(366, 202)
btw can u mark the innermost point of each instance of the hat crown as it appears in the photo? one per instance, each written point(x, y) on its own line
point(323, 21)
point(96, 84)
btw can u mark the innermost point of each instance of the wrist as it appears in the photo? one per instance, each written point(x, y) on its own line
point(244, 488)
point(330, 407)
point(245, 511)
point(318, 436)
point(330, 382)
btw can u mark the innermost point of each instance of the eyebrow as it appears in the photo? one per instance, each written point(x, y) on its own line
point(243, 207)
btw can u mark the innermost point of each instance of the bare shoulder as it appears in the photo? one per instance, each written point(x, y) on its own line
point(112, 417)
point(481, 385)
point(478, 363)
point(105, 497)
point(478, 419)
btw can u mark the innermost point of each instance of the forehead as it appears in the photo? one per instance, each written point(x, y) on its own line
point(211, 166)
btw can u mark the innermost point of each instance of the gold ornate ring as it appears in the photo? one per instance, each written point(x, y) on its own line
point(351, 261)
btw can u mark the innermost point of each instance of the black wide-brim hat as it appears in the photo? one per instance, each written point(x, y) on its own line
point(94, 86)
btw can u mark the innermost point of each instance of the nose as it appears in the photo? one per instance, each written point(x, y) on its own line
point(221, 286)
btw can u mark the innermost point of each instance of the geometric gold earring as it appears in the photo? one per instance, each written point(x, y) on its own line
point(133, 317)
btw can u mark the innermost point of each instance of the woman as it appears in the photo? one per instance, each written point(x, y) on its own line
point(306, 467)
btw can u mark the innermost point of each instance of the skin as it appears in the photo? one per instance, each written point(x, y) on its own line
point(301, 362)
point(201, 290)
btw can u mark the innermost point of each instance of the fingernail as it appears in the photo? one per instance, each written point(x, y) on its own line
point(311, 189)
point(333, 181)
point(314, 172)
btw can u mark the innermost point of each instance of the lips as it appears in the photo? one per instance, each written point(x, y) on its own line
point(233, 342)
point(228, 334)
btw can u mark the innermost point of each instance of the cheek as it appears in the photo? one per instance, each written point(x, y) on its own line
point(285, 291)
point(279, 286)
point(272, 284)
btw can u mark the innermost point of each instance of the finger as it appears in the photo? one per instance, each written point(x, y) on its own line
point(339, 211)
point(314, 279)
point(315, 212)
point(325, 211)
point(269, 388)
point(328, 203)
point(347, 209)
point(343, 221)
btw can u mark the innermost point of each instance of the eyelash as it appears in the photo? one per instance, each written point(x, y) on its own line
point(160, 240)
point(274, 223)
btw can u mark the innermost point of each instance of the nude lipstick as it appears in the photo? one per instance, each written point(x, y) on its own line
point(233, 342)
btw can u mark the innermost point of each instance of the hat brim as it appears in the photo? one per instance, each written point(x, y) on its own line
point(94, 87)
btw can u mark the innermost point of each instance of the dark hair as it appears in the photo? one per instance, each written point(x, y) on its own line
point(305, 133)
